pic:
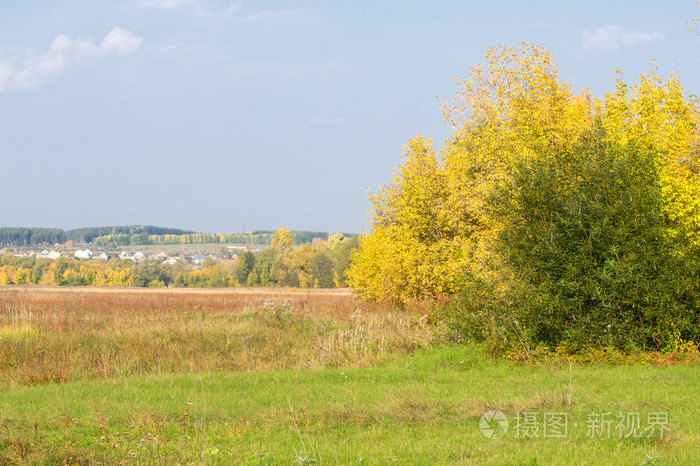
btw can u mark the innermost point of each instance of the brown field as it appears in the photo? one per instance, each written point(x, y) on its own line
point(58, 334)
point(84, 308)
point(42, 289)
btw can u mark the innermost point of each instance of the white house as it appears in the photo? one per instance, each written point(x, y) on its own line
point(53, 255)
point(87, 254)
point(199, 259)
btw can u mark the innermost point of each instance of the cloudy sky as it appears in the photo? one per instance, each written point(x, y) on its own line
point(220, 116)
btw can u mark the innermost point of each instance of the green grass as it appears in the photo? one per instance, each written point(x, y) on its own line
point(231, 378)
point(70, 338)
point(421, 408)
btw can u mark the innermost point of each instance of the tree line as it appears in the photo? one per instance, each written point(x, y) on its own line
point(49, 236)
point(140, 235)
point(256, 237)
point(321, 265)
point(31, 236)
point(87, 235)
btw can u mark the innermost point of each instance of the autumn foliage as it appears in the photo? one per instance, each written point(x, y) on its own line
point(318, 265)
point(549, 217)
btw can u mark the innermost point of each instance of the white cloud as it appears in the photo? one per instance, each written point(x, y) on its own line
point(613, 37)
point(38, 67)
point(234, 8)
point(165, 4)
point(120, 41)
point(642, 37)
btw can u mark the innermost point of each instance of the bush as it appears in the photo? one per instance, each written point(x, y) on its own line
point(552, 219)
point(584, 265)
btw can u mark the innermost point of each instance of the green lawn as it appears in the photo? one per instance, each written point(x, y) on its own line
point(420, 408)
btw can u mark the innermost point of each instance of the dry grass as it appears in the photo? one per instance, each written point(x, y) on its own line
point(57, 334)
point(421, 408)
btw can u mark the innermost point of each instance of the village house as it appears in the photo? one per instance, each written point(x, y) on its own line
point(126, 256)
point(86, 254)
point(242, 247)
point(161, 256)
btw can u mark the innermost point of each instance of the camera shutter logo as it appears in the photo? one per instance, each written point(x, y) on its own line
point(493, 424)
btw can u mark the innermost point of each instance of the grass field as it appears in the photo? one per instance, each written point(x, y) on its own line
point(309, 378)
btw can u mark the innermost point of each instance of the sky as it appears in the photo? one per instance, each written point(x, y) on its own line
point(221, 116)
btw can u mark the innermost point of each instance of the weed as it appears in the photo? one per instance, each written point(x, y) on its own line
point(55, 337)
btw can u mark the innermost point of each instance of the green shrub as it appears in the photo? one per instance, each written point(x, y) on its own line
point(585, 263)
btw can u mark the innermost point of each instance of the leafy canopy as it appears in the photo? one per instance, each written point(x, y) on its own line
point(552, 216)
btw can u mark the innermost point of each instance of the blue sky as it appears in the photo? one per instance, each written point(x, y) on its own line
point(220, 116)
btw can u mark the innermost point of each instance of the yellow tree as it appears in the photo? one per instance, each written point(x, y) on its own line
point(282, 239)
point(410, 253)
point(507, 114)
point(282, 247)
point(431, 225)
point(548, 209)
point(654, 116)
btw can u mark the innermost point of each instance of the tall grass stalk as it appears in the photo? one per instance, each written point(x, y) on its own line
point(58, 337)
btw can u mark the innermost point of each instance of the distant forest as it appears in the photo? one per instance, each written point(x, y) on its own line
point(87, 235)
point(31, 236)
point(134, 235)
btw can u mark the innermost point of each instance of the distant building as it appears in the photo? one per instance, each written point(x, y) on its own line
point(86, 254)
point(53, 255)
point(126, 256)
point(43, 255)
point(243, 247)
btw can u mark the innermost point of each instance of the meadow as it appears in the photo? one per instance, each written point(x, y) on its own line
point(278, 376)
